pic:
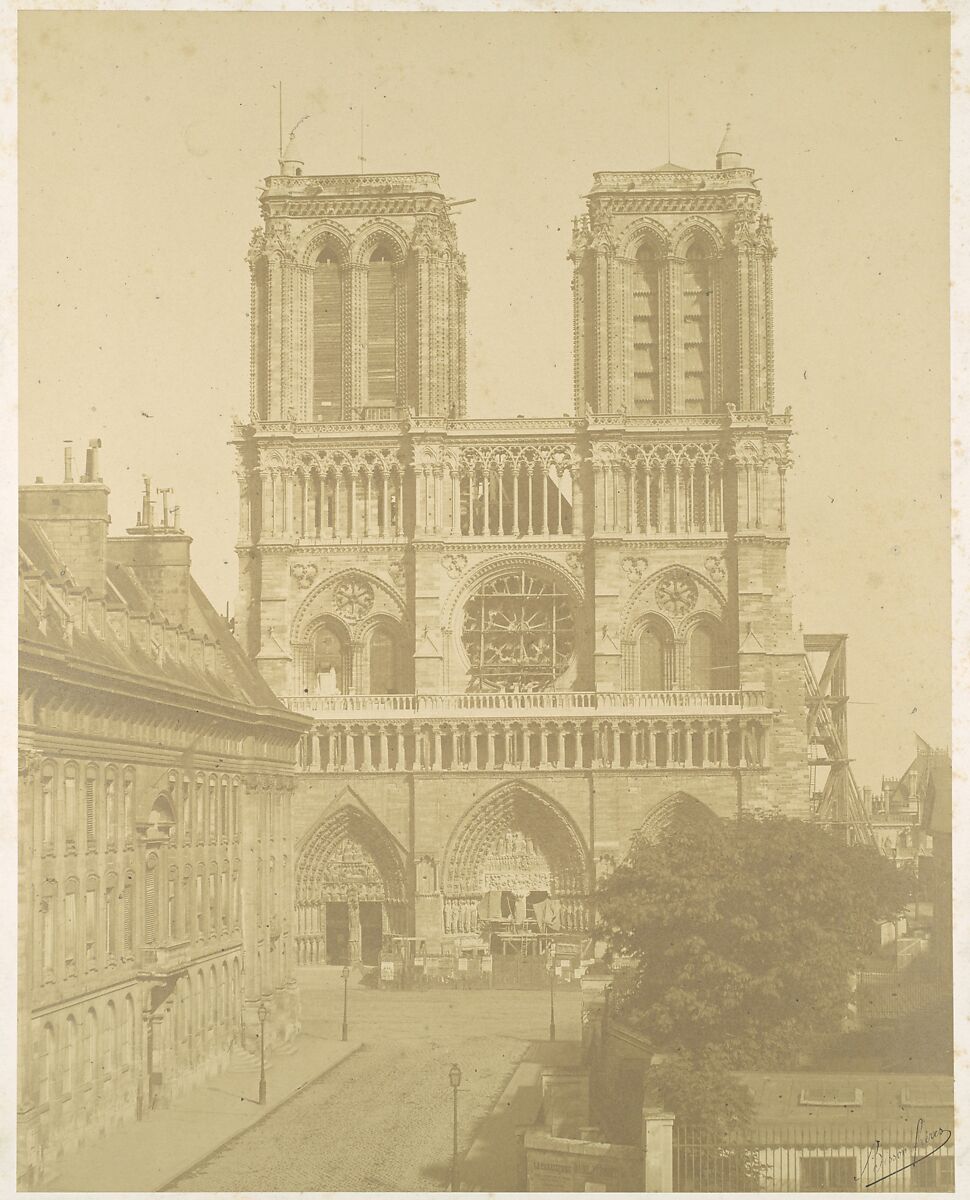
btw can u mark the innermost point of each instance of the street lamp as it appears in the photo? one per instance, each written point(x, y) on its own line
point(454, 1078)
point(262, 1012)
point(345, 974)
point(552, 991)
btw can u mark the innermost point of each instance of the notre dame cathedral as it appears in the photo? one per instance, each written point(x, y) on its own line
point(524, 642)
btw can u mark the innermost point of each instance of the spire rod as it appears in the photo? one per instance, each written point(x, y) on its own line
point(360, 157)
point(668, 118)
point(280, 86)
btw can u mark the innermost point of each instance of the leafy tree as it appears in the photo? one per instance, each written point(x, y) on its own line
point(743, 934)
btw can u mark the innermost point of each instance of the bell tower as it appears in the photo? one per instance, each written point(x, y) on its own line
point(358, 298)
point(672, 292)
point(358, 332)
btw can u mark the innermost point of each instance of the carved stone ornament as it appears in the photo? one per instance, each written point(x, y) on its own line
point(396, 572)
point(635, 569)
point(715, 567)
point(676, 594)
point(574, 561)
point(454, 565)
point(304, 573)
point(353, 599)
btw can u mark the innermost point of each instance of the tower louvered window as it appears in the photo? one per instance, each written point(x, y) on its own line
point(261, 338)
point(381, 374)
point(696, 313)
point(327, 337)
point(646, 333)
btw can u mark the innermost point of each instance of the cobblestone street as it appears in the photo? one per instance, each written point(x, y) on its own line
point(382, 1120)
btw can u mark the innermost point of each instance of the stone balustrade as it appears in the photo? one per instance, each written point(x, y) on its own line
point(696, 703)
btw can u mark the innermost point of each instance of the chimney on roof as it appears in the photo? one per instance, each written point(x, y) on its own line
point(158, 554)
point(92, 473)
point(74, 518)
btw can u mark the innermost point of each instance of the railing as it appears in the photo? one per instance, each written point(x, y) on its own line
point(904, 1156)
point(531, 703)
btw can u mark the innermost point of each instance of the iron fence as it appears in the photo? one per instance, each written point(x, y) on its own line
point(903, 1157)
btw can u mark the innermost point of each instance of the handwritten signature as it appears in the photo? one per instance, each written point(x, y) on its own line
point(890, 1162)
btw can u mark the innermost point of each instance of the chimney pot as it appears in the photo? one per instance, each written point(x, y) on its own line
point(68, 463)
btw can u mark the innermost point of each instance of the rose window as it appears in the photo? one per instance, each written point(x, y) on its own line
point(353, 599)
point(519, 633)
point(676, 594)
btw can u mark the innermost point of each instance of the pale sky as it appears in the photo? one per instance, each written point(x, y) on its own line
point(144, 138)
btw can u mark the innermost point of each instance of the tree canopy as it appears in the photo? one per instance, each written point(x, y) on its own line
point(743, 934)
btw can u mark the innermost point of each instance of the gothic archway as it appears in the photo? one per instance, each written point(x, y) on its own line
point(350, 890)
point(676, 812)
point(515, 843)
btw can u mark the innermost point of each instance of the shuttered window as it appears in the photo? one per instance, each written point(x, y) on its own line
point(646, 333)
point(327, 337)
point(89, 817)
point(381, 376)
point(697, 330)
point(151, 903)
point(261, 337)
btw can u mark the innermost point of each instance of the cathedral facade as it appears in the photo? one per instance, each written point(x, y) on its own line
point(523, 642)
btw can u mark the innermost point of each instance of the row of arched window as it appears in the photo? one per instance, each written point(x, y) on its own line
point(191, 902)
point(85, 1049)
point(85, 806)
point(89, 807)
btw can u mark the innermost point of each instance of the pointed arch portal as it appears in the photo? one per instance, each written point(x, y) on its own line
point(516, 848)
point(350, 890)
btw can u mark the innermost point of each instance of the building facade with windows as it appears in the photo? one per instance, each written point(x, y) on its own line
point(156, 772)
point(522, 641)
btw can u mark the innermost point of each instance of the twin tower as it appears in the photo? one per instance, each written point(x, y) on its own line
point(358, 296)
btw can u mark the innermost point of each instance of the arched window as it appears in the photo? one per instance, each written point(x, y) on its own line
point(47, 902)
point(696, 312)
point(645, 309)
point(328, 655)
point(381, 372)
point(109, 1048)
point(213, 997)
point(91, 923)
point(653, 647)
point(111, 806)
point(129, 1033)
point(70, 1065)
point(224, 994)
point(47, 1064)
point(707, 659)
point(70, 926)
point(213, 808)
point(48, 783)
point(89, 1059)
point(385, 661)
point(70, 804)
point(171, 904)
point(199, 807)
point(186, 808)
point(186, 902)
point(127, 808)
point(327, 337)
